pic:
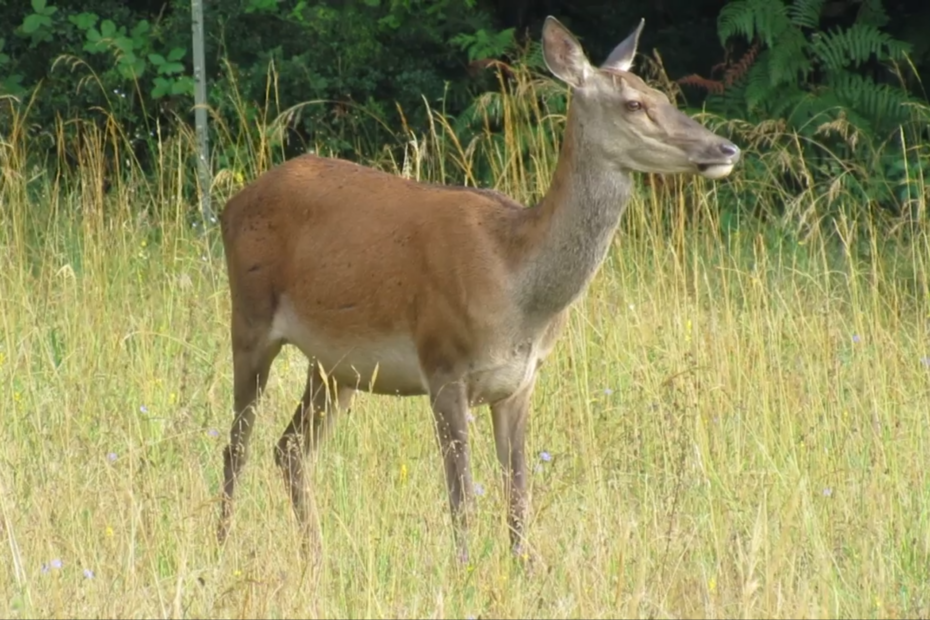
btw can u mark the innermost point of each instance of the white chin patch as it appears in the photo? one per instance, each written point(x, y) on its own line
point(716, 171)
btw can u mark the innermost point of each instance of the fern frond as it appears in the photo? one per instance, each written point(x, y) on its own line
point(838, 49)
point(765, 19)
point(758, 86)
point(806, 13)
point(885, 106)
point(872, 12)
point(789, 59)
point(789, 97)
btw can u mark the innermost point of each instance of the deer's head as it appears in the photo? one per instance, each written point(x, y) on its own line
point(629, 123)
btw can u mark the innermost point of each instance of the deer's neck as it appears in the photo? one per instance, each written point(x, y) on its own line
point(573, 225)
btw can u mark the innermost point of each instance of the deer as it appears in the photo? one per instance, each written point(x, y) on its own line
point(394, 286)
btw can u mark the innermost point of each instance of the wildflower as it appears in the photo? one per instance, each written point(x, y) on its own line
point(109, 532)
point(172, 397)
point(112, 457)
point(403, 472)
point(88, 574)
point(608, 391)
point(470, 418)
point(213, 433)
point(856, 339)
point(545, 456)
point(56, 564)
point(479, 489)
point(828, 492)
point(144, 409)
point(712, 584)
point(925, 361)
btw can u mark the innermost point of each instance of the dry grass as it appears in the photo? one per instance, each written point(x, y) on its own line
point(734, 425)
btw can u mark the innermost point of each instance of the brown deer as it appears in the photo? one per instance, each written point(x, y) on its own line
point(398, 287)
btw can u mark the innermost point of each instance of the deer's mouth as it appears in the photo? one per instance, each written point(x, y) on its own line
point(717, 170)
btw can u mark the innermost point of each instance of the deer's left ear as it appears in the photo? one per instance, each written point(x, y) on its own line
point(621, 58)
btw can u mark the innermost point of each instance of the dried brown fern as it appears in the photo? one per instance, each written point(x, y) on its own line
point(732, 72)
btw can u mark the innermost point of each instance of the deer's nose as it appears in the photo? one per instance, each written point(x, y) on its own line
point(729, 149)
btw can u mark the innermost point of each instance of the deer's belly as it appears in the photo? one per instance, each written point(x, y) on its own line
point(385, 364)
point(389, 363)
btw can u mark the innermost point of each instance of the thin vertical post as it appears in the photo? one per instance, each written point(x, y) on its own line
point(200, 113)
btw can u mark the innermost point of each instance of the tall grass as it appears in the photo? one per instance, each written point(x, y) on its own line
point(735, 422)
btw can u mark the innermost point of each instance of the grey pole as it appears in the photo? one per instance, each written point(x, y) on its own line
point(200, 113)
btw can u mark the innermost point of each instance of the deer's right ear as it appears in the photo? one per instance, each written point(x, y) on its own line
point(563, 54)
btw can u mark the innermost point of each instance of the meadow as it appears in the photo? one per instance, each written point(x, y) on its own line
point(735, 423)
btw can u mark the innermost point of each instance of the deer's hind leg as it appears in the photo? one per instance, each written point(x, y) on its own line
point(313, 419)
point(253, 354)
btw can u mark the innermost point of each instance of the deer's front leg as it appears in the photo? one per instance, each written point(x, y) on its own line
point(450, 410)
point(510, 417)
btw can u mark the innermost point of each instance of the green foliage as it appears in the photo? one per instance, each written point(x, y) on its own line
point(779, 85)
point(343, 70)
point(484, 44)
point(839, 89)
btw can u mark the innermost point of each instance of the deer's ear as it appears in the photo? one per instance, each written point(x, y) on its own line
point(563, 54)
point(621, 58)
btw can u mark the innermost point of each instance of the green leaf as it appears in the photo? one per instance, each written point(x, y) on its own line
point(156, 59)
point(176, 53)
point(12, 85)
point(107, 28)
point(183, 86)
point(93, 35)
point(170, 67)
point(38, 5)
point(140, 29)
point(83, 20)
point(124, 44)
point(161, 88)
point(4, 59)
point(131, 67)
point(33, 22)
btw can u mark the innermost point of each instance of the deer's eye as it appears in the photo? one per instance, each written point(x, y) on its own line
point(634, 106)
